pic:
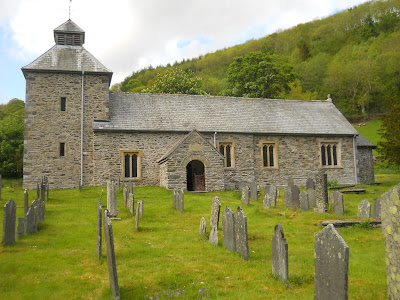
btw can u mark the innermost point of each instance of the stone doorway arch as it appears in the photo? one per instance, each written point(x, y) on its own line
point(195, 174)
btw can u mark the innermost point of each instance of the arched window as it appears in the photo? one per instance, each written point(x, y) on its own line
point(329, 154)
point(269, 154)
point(227, 150)
point(131, 164)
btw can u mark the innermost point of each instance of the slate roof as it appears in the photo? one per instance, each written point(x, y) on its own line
point(183, 113)
point(69, 26)
point(69, 59)
point(361, 141)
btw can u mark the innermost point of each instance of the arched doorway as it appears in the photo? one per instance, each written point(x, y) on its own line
point(196, 179)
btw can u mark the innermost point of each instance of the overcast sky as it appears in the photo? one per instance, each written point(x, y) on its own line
point(128, 35)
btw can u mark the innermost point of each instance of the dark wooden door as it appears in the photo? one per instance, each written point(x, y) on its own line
point(200, 182)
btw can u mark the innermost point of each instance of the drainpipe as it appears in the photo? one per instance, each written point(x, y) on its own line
point(215, 139)
point(355, 157)
point(82, 102)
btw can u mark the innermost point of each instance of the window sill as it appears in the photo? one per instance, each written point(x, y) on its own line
point(269, 168)
point(330, 167)
point(131, 179)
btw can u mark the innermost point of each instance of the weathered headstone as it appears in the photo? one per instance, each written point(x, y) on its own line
point(390, 210)
point(37, 190)
point(290, 181)
point(228, 229)
point(287, 196)
point(112, 199)
point(242, 184)
point(130, 187)
point(124, 196)
point(245, 195)
point(31, 226)
point(47, 191)
point(321, 192)
point(10, 212)
point(213, 238)
point(279, 247)
point(41, 211)
point(241, 237)
point(131, 204)
point(26, 202)
point(42, 191)
point(140, 208)
point(215, 210)
point(270, 195)
point(304, 204)
point(364, 210)
point(337, 203)
point(311, 192)
point(137, 216)
point(376, 210)
point(295, 196)
point(111, 262)
point(35, 206)
point(203, 227)
point(331, 255)
point(20, 228)
point(254, 190)
point(181, 204)
point(99, 229)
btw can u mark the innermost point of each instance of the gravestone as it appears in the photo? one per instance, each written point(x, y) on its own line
point(242, 184)
point(331, 255)
point(364, 210)
point(130, 187)
point(124, 196)
point(34, 205)
point(42, 191)
point(131, 204)
point(137, 216)
point(140, 208)
point(215, 210)
point(174, 199)
point(241, 237)
point(30, 217)
point(37, 190)
point(295, 196)
point(304, 204)
point(203, 227)
point(253, 190)
point(290, 181)
point(321, 192)
point(245, 195)
point(112, 199)
point(111, 262)
point(26, 202)
point(279, 248)
point(10, 212)
point(181, 201)
point(337, 203)
point(213, 238)
point(390, 208)
point(20, 228)
point(99, 229)
point(228, 229)
point(376, 210)
point(287, 196)
point(311, 192)
point(41, 208)
point(270, 195)
point(47, 191)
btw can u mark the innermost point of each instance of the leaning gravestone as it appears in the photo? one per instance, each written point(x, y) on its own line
point(215, 210)
point(279, 247)
point(20, 228)
point(331, 255)
point(364, 210)
point(376, 210)
point(311, 192)
point(131, 204)
point(203, 227)
point(137, 216)
point(111, 262)
point(245, 195)
point(304, 205)
point(213, 238)
point(287, 196)
point(124, 196)
point(112, 199)
point(321, 192)
point(181, 203)
point(337, 203)
point(390, 209)
point(253, 190)
point(10, 212)
point(26, 202)
point(99, 231)
point(31, 226)
point(241, 237)
point(228, 229)
point(295, 196)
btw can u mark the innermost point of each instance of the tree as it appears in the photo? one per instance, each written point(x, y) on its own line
point(259, 75)
point(389, 147)
point(176, 81)
point(304, 52)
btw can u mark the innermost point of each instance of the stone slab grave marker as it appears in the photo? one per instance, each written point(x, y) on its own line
point(140, 205)
point(337, 203)
point(376, 210)
point(390, 210)
point(111, 262)
point(254, 190)
point(99, 229)
point(304, 204)
point(331, 255)
point(41, 211)
point(270, 195)
point(295, 196)
point(130, 187)
point(290, 181)
point(30, 217)
point(26, 202)
point(34, 205)
point(124, 196)
point(228, 229)
point(10, 212)
point(213, 238)
point(137, 216)
point(215, 211)
point(131, 204)
point(241, 237)
point(364, 210)
point(47, 191)
point(112, 199)
point(20, 228)
point(181, 204)
point(287, 196)
point(246, 195)
point(174, 198)
point(37, 190)
point(321, 192)
point(203, 227)
point(279, 248)
point(310, 185)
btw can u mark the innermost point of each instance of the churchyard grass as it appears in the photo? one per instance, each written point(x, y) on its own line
point(167, 254)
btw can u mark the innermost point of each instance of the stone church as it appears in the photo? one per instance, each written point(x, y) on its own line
point(77, 131)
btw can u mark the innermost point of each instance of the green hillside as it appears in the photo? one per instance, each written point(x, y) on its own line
point(353, 55)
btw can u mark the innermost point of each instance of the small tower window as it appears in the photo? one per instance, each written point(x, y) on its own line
point(63, 103)
point(62, 149)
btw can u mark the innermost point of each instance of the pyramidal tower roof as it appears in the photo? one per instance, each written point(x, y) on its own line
point(68, 54)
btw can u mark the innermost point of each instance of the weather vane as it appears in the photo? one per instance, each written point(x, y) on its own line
point(70, 1)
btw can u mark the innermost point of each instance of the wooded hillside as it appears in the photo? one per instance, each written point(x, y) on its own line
point(353, 55)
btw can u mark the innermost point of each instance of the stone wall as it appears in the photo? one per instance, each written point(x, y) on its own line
point(365, 165)
point(46, 126)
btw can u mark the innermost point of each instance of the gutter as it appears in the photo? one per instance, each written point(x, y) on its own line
point(355, 158)
point(82, 106)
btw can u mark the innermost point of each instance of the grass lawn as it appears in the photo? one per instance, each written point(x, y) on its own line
point(167, 254)
point(370, 131)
